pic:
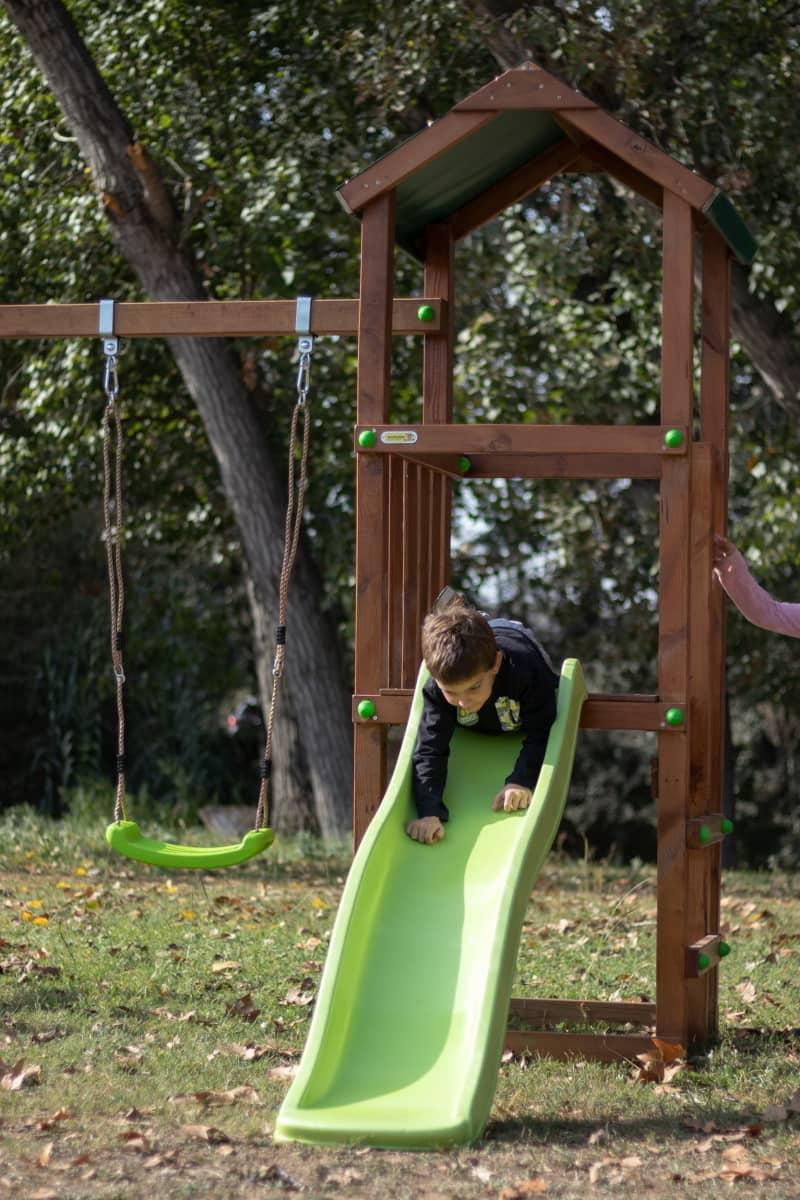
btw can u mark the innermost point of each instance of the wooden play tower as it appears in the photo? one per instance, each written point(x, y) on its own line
point(491, 150)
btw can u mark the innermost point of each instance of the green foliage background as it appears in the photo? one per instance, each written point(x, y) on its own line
point(256, 113)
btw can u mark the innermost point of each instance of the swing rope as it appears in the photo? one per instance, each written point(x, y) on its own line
point(123, 834)
point(113, 532)
point(291, 537)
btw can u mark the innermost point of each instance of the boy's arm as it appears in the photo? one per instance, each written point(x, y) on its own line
point(431, 752)
point(537, 711)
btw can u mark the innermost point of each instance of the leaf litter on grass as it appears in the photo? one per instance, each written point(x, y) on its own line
point(122, 960)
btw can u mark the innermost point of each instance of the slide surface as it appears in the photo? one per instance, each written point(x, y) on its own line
point(410, 1018)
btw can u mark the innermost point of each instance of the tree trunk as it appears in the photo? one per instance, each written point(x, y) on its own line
point(144, 227)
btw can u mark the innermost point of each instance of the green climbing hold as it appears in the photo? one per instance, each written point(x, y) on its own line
point(705, 835)
point(674, 716)
point(367, 439)
point(726, 825)
point(703, 961)
point(464, 464)
point(425, 312)
point(723, 950)
point(366, 709)
point(673, 439)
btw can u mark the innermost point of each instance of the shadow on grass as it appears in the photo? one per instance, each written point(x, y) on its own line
point(565, 1132)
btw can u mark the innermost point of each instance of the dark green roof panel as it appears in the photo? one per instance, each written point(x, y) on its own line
point(723, 216)
point(469, 168)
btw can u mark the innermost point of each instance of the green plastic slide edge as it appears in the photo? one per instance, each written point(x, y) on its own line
point(299, 1122)
point(125, 838)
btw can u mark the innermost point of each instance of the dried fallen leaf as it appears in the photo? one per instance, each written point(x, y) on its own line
point(525, 1187)
point(227, 964)
point(244, 1008)
point(206, 1133)
point(231, 1096)
point(13, 1078)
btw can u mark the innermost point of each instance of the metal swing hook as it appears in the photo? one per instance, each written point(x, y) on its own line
point(110, 349)
point(305, 345)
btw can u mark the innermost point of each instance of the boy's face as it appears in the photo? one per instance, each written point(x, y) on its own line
point(471, 694)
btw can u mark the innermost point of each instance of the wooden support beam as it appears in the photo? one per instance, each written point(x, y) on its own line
point(372, 487)
point(513, 188)
point(583, 1012)
point(620, 440)
point(384, 175)
point(564, 466)
point(637, 152)
point(210, 318)
point(674, 570)
point(524, 87)
point(646, 713)
point(598, 1047)
point(703, 954)
point(598, 158)
point(707, 830)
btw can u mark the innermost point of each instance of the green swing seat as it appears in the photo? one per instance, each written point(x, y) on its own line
point(126, 838)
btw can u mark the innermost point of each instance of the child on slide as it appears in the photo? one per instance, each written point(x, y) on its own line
point(491, 676)
point(750, 598)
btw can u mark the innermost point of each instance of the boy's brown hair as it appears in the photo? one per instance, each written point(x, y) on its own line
point(457, 643)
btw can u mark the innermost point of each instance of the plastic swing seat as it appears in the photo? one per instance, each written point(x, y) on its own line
point(126, 838)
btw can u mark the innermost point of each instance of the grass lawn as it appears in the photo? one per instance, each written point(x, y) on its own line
point(151, 1024)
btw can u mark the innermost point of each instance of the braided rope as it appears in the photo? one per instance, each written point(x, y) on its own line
point(116, 590)
point(291, 540)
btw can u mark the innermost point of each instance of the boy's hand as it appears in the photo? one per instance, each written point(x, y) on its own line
point(511, 798)
point(425, 829)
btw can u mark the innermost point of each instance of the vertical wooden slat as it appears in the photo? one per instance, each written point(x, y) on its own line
point(394, 581)
point(372, 406)
point(411, 541)
point(673, 754)
point(437, 398)
point(714, 394)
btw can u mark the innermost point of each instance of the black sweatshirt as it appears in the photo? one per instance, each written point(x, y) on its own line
point(523, 700)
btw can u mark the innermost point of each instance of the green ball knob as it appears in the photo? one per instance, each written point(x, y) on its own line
point(674, 716)
point(726, 825)
point(703, 961)
point(425, 312)
point(723, 950)
point(366, 709)
point(367, 438)
point(705, 835)
point(464, 464)
point(673, 439)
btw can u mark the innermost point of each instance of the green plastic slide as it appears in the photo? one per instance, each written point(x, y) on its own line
point(410, 1018)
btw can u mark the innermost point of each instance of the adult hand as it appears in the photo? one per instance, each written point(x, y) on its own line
point(425, 829)
point(511, 798)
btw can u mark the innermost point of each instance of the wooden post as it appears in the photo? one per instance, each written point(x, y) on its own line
point(673, 680)
point(702, 905)
point(372, 406)
point(715, 374)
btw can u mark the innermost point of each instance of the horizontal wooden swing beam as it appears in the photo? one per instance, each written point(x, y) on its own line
point(645, 713)
point(211, 318)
